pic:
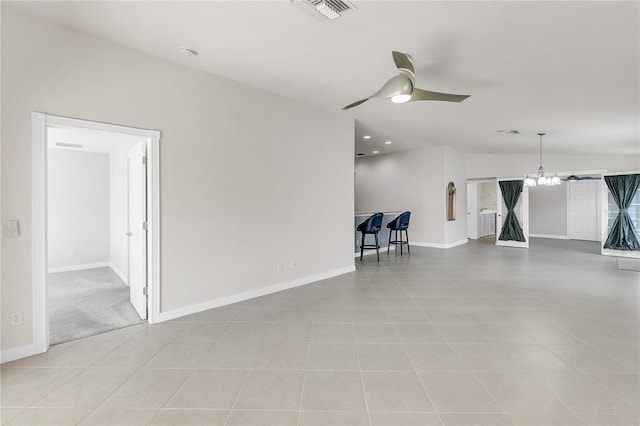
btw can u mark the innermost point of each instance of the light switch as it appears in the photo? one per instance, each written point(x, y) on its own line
point(13, 229)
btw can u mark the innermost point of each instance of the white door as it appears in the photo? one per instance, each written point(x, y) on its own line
point(522, 214)
point(137, 177)
point(582, 221)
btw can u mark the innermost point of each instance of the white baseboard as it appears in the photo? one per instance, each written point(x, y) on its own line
point(240, 297)
point(79, 267)
point(620, 253)
point(119, 273)
point(13, 354)
point(440, 246)
point(555, 237)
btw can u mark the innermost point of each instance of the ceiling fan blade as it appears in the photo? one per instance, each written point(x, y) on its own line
point(401, 84)
point(404, 63)
point(425, 95)
point(355, 104)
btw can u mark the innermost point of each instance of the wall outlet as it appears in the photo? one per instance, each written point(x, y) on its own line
point(74, 253)
point(293, 264)
point(279, 267)
point(16, 319)
point(13, 229)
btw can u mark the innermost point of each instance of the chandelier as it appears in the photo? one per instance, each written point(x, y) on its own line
point(541, 177)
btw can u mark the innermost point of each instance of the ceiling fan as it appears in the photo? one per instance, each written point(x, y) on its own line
point(574, 178)
point(401, 88)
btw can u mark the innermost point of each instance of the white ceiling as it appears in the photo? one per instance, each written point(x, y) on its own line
point(570, 69)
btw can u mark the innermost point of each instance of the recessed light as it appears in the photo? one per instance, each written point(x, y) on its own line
point(388, 143)
point(366, 137)
point(375, 152)
point(359, 154)
point(189, 51)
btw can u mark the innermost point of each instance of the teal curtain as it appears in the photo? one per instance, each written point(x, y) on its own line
point(511, 229)
point(622, 235)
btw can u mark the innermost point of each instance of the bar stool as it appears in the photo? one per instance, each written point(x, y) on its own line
point(400, 223)
point(371, 226)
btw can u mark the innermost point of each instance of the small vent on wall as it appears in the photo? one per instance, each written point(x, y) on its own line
point(69, 145)
point(324, 10)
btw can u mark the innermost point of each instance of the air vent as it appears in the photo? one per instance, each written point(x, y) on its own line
point(69, 145)
point(324, 10)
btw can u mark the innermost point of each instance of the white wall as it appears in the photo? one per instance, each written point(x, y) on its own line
point(118, 240)
point(487, 196)
point(404, 181)
point(455, 231)
point(243, 172)
point(78, 208)
point(415, 180)
point(548, 210)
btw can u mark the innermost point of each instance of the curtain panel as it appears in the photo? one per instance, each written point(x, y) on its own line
point(622, 235)
point(511, 229)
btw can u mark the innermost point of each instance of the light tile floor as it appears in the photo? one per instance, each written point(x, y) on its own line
point(471, 335)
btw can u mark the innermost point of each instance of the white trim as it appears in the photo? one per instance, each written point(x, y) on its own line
point(71, 268)
point(118, 272)
point(39, 124)
point(555, 237)
point(153, 218)
point(57, 121)
point(246, 295)
point(40, 337)
point(79, 267)
point(620, 253)
point(439, 245)
point(20, 352)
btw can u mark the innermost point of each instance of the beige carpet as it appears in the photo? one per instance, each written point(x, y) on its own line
point(88, 302)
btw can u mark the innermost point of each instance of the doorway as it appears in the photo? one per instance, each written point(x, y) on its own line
point(132, 256)
point(481, 208)
point(512, 217)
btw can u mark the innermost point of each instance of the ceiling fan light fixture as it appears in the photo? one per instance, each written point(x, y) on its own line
point(401, 88)
point(400, 99)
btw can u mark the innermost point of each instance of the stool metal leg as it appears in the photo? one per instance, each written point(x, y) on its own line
point(377, 247)
point(362, 246)
point(389, 245)
point(407, 232)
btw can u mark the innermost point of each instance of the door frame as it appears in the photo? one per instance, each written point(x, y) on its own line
point(604, 222)
point(473, 211)
point(39, 124)
point(525, 215)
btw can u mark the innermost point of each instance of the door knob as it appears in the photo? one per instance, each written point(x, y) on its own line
point(128, 234)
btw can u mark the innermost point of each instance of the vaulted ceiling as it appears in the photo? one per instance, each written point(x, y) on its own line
point(569, 69)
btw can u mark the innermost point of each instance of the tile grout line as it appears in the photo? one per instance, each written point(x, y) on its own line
point(364, 391)
point(304, 379)
point(473, 373)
